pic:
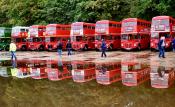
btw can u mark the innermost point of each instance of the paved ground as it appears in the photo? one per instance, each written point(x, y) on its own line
point(148, 57)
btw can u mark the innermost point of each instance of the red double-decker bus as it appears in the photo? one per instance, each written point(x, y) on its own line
point(19, 36)
point(36, 37)
point(162, 26)
point(110, 31)
point(55, 33)
point(134, 73)
point(135, 34)
point(83, 36)
point(108, 73)
point(83, 71)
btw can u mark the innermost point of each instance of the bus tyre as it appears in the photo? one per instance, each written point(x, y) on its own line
point(111, 47)
point(49, 49)
point(86, 47)
point(6, 48)
point(23, 48)
point(139, 47)
point(41, 48)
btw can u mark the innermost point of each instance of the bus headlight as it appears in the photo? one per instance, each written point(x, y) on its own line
point(122, 44)
point(81, 46)
point(166, 44)
point(95, 45)
point(152, 44)
point(135, 44)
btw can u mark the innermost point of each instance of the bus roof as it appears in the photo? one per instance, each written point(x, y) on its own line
point(37, 26)
point(83, 23)
point(20, 27)
point(162, 17)
point(57, 25)
point(135, 19)
point(107, 21)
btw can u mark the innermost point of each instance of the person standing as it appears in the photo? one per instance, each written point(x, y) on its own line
point(59, 47)
point(161, 46)
point(12, 49)
point(69, 47)
point(103, 48)
point(173, 44)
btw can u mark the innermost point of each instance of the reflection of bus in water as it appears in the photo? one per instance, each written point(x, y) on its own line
point(5, 71)
point(58, 70)
point(83, 71)
point(162, 26)
point(161, 77)
point(107, 73)
point(134, 73)
point(37, 68)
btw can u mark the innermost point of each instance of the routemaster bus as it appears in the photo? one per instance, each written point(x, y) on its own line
point(83, 36)
point(110, 31)
point(162, 26)
point(19, 35)
point(108, 72)
point(58, 70)
point(36, 37)
point(134, 73)
point(55, 33)
point(5, 38)
point(83, 71)
point(162, 77)
point(135, 34)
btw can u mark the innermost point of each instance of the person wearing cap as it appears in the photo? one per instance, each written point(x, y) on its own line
point(161, 46)
point(59, 48)
point(12, 49)
point(69, 47)
point(103, 48)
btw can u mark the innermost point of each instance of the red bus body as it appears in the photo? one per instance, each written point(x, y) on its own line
point(19, 35)
point(37, 69)
point(135, 34)
point(83, 36)
point(108, 73)
point(83, 71)
point(58, 70)
point(110, 31)
point(30, 68)
point(162, 77)
point(55, 33)
point(134, 74)
point(37, 37)
point(162, 26)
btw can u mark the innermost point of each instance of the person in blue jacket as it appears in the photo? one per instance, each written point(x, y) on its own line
point(161, 47)
point(173, 44)
point(69, 47)
point(103, 48)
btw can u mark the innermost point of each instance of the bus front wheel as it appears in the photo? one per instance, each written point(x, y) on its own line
point(86, 47)
point(41, 48)
point(139, 47)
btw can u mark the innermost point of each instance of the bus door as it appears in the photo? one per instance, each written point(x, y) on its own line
point(91, 41)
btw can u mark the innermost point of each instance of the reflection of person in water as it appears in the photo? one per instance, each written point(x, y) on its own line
point(161, 71)
point(69, 67)
point(14, 65)
point(103, 70)
point(60, 65)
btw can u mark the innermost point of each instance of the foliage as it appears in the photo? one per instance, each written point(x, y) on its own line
point(29, 12)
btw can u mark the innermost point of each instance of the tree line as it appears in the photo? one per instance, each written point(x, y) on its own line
point(30, 12)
